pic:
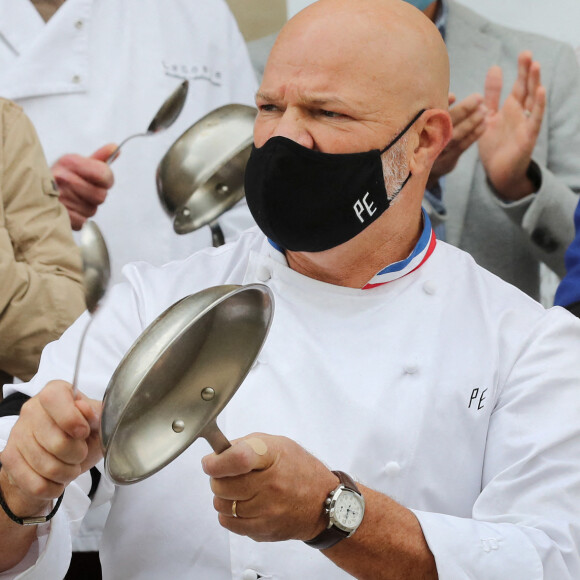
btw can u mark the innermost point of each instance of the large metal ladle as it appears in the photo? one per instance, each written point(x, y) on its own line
point(164, 118)
point(96, 276)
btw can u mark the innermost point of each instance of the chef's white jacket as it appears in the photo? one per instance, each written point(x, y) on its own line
point(98, 71)
point(447, 389)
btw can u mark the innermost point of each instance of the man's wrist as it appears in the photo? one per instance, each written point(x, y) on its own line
point(344, 510)
point(18, 503)
point(519, 188)
point(322, 519)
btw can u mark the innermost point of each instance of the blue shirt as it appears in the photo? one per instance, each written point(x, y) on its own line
point(568, 292)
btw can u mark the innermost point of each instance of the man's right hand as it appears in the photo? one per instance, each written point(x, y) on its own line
point(55, 439)
point(468, 118)
point(83, 183)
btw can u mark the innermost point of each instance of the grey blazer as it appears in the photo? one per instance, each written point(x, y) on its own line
point(512, 239)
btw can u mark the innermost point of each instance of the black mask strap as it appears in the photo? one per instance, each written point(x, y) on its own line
point(400, 188)
point(411, 123)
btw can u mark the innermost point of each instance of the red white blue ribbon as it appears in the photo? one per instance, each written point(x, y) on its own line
point(424, 248)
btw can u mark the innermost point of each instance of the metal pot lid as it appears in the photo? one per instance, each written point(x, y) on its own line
point(202, 174)
point(178, 376)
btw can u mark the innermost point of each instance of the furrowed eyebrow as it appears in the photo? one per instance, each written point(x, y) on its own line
point(310, 101)
point(264, 97)
point(324, 102)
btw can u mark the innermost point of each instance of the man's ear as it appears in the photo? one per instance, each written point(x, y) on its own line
point(435, 132)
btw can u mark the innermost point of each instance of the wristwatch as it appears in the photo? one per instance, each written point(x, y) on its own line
point(344, 508)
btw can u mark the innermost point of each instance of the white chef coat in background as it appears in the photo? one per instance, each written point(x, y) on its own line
point(447, 389)
point(98, 71)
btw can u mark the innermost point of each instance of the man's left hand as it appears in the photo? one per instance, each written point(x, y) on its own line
point(279, 488)
point(507, 144)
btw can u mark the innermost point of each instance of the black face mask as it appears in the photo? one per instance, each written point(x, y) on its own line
point(308, 201)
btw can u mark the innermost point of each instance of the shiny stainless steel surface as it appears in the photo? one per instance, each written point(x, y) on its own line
point(96, 277)
point(202, 174)
point(96, 264)
point(164, 118)
point(177, 377)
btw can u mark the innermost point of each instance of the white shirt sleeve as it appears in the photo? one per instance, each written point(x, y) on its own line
point(525, 523)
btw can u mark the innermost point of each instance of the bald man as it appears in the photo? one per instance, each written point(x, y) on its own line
point(410, 415)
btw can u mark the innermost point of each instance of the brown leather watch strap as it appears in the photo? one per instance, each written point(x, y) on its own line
point(332, 535)
point(346, 480)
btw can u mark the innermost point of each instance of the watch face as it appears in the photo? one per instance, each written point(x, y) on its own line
point(348, 510)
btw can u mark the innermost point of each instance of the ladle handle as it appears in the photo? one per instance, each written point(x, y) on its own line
point(218, 441)
point(115, 153)
point(75, 381)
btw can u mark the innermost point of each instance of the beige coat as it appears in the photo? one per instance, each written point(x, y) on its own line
point(40, 266)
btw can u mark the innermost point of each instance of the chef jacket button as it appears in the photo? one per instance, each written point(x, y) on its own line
point(429, 288)
point(76, 79)
point(392, 469)
point(79, 24)
point(250, 574)
point(411, 369)
point(263, 274)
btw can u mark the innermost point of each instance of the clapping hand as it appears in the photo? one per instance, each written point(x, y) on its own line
point(468, 117)
point(511, 131)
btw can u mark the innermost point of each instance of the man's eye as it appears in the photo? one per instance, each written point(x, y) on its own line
point(268, 108)
point(330, 114)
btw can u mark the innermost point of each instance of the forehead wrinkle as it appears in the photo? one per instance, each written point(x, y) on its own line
point(305, 97)
point(310, 99)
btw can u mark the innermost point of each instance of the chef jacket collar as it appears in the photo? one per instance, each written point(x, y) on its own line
point(423, 249)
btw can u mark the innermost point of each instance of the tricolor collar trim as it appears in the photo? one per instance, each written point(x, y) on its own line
point(424, 248)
